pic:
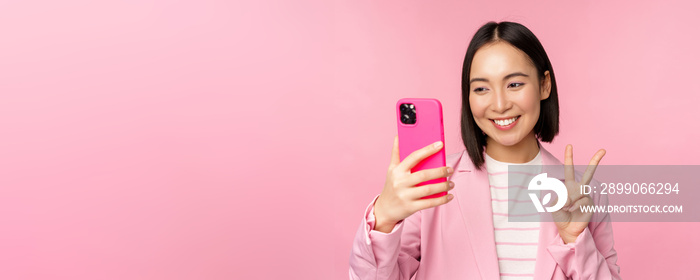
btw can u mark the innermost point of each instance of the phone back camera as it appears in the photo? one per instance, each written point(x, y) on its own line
point(408, 113)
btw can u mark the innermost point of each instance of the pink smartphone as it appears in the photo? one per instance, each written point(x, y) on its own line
point(420, 124)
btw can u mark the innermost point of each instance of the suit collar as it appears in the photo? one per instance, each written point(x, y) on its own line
point(474, 199)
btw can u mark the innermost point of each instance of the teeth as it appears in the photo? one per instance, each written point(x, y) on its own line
point(505, 122)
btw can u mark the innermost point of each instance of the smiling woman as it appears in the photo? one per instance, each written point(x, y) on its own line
point(506, 101)
point(509, 104)
point(508, 84)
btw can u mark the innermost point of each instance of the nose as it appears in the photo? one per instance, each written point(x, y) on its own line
point(501, 102)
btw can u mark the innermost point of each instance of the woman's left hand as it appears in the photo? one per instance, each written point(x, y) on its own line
point(569, 219)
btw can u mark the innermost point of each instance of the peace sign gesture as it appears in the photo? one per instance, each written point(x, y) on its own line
point(569, 219)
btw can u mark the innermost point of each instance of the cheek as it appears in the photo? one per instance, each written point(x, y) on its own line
point(478, 106)
point(530, 102)
point(532, 107)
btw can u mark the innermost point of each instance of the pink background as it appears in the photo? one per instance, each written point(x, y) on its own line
point(244, 139)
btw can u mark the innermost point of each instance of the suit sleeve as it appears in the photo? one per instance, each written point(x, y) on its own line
point(378, 255)
point(592, 255)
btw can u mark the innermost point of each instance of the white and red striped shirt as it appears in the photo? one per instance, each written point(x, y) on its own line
point(516, 242)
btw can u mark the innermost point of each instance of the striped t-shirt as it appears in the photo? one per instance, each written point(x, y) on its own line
point(516, 242)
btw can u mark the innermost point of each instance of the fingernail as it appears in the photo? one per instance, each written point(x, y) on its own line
point(437, 144)
point(449, 170)
point(450, 197)
point(452, 185)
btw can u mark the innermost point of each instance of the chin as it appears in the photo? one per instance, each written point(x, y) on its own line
point(507, 141)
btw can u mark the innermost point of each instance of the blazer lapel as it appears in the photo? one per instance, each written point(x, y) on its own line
point(545, 264)
point(474, 199)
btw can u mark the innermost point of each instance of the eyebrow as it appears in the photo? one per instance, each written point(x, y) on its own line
point(511, 75)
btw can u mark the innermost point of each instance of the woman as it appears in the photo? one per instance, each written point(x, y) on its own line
point(509, 104)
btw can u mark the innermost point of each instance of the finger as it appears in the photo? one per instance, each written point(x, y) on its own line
point(585, 200)
point(574, 196)
point(432, 202)
point(588, 175)
point(427, 175)
point(415, 157)
point(569, 163)
point(430, 189)
point(395, 153)
point(553, 202)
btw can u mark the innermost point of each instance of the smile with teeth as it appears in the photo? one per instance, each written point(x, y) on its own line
point(505, 122)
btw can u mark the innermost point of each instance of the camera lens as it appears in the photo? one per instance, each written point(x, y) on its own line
point(408, 113)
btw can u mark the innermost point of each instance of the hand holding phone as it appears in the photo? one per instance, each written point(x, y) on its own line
point(416, 176)
point(419, 122)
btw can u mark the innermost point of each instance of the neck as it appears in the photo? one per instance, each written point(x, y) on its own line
point(521, 152)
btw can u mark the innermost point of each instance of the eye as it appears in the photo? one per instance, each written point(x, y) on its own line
point(479, 89)
point(515, 85)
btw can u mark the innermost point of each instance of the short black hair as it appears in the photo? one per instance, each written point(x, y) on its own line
point(523, 39)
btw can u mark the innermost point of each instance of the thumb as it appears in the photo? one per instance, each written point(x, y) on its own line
point(395, 160)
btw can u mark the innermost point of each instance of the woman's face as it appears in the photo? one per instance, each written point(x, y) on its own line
point(505, 93)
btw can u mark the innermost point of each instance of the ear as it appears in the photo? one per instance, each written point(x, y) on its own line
point(546, 86)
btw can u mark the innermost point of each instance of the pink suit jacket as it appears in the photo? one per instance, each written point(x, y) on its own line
point(456, 240)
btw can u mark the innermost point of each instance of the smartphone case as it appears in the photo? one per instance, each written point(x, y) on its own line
point(428, 129)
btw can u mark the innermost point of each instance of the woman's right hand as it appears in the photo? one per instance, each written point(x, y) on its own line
point(400, 197)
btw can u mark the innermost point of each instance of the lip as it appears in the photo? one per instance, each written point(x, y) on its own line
point(505, 127)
